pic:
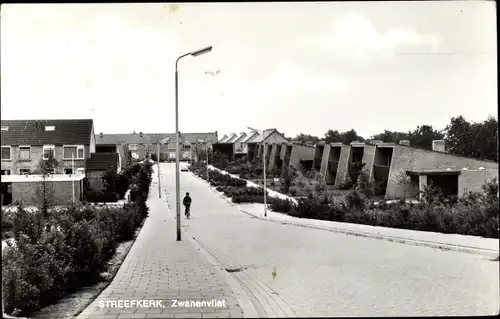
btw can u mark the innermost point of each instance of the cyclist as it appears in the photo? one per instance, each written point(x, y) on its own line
point(187, 204)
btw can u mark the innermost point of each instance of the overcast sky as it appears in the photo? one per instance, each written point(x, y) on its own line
point(297, 67)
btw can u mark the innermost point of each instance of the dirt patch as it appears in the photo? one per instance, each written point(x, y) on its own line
point(72, 305)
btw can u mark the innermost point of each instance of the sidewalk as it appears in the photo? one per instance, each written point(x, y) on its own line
point(468, 244)
point(160, 268)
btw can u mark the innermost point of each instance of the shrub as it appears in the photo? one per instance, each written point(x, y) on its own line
point(293, 191)
point(281, 205)
point(59, 252)
point(355, 200)
point(101, 197)
point(346, 184)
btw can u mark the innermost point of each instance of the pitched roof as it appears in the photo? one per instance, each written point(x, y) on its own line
point(32, 132)
point(232, 138)
point(102, 161)
point(251, 137)
point(225, 137)
point(241, 137)
point(154, 138)
point(265, 135)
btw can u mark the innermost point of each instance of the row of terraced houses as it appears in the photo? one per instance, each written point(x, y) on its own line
point(384, 163)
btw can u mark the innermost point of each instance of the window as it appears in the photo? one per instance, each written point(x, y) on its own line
point(186, 146)
point(6, 153)
point(24, 153)
point(48, 151)
point(75, 151)
point(68, 171)
point(80, 170)
point(132, 147)
point(50, 128)
point(6, 172)
point(24, 171)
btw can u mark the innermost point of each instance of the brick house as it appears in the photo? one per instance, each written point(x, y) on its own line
point(25, 142)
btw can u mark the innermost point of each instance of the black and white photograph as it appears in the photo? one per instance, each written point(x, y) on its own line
point(249, 159)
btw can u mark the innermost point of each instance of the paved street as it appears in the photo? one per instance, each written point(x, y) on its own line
point(320, 273)
point(160, 268)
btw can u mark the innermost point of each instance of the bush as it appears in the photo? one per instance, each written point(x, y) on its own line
point(293, 191)
point(62, 251)
point(101, 197)
point(354, 199)
point(281, 205)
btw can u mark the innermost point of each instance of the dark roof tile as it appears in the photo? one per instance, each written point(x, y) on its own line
point(32, 132)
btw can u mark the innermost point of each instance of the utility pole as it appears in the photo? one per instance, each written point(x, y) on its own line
point(159, 183)
point(72, 177)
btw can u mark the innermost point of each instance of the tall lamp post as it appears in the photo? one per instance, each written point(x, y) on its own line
point(163, 141)
point(177, 165)
point(264, 161)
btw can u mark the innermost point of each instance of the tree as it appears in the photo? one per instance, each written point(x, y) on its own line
point(44, 193)
point(423, 136)
point(306, 138)
point(351, 136)
point(201, 152)
point(332, 136)
point(484, 143)
point(345, 137)
point(390, 136)
point(472, 139)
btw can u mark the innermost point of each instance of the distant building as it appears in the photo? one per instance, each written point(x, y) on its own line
point(140, 145)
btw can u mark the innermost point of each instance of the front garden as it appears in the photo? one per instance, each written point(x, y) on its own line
point(475, 214)
point(58, 251)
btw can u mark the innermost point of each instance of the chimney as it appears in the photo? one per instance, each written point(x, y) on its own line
point(101, 135)
point(439, 146)
point(405, 142)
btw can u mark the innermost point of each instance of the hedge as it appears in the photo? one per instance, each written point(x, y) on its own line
point(475, 214)
point(68, 249)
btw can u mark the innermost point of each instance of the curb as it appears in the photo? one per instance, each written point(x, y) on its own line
point(247, 307)
point(401, 240)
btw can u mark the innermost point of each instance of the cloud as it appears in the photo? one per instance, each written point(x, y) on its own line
point(354, 38)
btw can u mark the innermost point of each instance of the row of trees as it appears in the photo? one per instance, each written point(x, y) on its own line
point(462, 137)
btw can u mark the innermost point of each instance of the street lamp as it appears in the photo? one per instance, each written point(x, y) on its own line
point(163, 141)
point(264, 161)
point(202, 141)
point(177, 165)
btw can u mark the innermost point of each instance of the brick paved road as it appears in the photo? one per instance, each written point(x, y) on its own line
point(327, 274)
point(160, 268)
